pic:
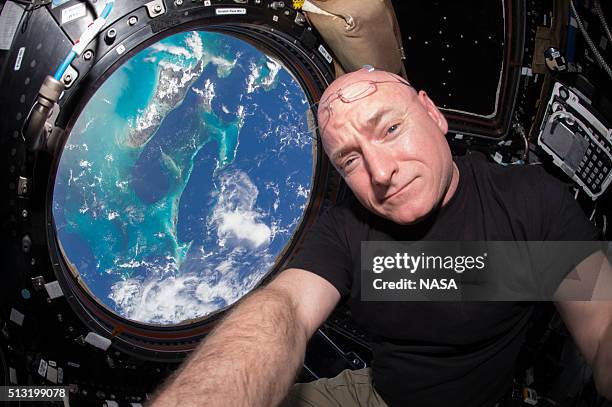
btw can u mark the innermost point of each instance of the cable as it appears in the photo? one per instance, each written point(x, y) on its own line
point(30, 6)
point(67, 61)
point(589, 41)
point(79, 46)
point(602, 18)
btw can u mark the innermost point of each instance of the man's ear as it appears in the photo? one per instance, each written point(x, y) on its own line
point(433, 112)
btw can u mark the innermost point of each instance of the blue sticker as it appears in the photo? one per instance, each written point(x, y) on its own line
point(57, 3)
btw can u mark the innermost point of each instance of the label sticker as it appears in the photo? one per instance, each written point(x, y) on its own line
point(498, 158)
point(52, 374)
point(19, 58)
point(230, 11)
point(17, 317)
point(73, 13)
point(42, 368)
point(12, 375)
point(57, 3)
point(120, 49)
point(98, 341)
point(53, 289)
point(325, 54)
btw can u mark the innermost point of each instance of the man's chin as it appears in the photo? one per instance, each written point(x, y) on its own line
point(406, 216)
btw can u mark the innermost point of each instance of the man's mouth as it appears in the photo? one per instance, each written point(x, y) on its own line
point(399, 191)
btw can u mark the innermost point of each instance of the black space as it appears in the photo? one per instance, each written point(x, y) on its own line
point(454, 50)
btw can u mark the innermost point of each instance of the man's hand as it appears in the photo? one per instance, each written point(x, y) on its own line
point(590, 322)
point(252, 357)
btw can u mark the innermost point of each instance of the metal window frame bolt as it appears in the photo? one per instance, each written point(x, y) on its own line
point(110, 36)
point(155, 8)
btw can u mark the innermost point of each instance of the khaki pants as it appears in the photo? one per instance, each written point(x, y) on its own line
point(351, 388)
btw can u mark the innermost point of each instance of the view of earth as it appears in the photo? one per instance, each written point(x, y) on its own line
point(184, 177)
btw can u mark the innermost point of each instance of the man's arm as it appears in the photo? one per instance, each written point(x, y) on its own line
point(252, 357)
point(590, 322)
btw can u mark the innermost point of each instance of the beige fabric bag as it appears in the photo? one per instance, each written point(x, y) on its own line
point(359, 32)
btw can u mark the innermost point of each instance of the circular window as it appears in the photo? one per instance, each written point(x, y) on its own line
point(184, 178)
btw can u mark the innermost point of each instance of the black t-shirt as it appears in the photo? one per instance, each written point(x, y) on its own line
point(446, 353)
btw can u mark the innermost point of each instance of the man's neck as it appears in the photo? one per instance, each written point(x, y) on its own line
point(452, 186)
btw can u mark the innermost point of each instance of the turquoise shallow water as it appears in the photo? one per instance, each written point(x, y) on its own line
point(220, 118)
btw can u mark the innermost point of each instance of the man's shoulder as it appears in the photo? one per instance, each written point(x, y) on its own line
point(519, 178)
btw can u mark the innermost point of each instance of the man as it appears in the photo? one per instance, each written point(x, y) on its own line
point(388, 142)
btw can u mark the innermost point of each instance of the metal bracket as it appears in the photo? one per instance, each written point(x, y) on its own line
point(38, 282)
point(155, 8)
point(22, 186)
point(69, 77)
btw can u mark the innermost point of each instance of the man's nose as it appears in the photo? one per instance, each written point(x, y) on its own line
point(381, 165)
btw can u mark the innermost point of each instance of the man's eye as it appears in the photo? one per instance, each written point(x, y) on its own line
point(393, 128)
point(346, 165)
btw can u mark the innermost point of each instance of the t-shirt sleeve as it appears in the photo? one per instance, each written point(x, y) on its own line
point(325, 252)
point(563, 221)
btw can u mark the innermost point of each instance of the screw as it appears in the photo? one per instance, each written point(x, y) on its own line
point(277, 5)
point(178, 2)
point(33, 262)
point(24, 213)
point(157, 8)
point(67, 79)
point(88, 55)
point(133, 20)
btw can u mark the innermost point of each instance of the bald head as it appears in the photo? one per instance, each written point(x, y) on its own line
point(336, 90)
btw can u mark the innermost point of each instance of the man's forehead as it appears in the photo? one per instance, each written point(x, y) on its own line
point(363, 74)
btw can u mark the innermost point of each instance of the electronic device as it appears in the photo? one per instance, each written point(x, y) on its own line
point(578, 138)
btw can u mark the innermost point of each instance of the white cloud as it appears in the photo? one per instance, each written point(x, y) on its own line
point(207, 94)
point(194, 42)
point(174, 299)
point(237, 219)
point(171, 49)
